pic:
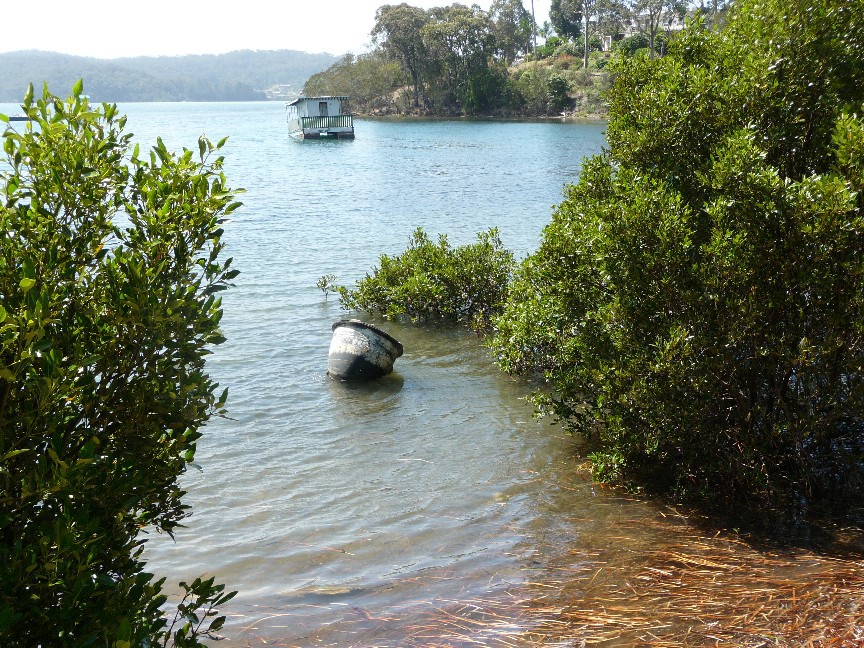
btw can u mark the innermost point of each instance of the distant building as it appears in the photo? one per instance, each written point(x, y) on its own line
point(282, 92)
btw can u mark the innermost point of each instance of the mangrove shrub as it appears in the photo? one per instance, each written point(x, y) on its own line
point(696, 302)
point(110, 274)
point(435, 282)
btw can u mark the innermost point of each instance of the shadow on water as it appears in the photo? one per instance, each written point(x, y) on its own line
point(366, 397)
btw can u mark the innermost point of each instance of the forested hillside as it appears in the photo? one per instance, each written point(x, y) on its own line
point(236, 76)
point(461, 60)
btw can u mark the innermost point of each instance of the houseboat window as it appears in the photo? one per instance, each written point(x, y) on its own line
point(322, 108)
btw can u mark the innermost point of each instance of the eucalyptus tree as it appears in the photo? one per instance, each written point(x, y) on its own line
point(650, 16)
point(601, 18)
point(460, 41)
point(566, 18)
point(370, 79)
point(512, 27)
point(582, 19)
point(399, 31)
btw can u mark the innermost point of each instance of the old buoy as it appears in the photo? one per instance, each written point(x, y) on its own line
point(360, 351)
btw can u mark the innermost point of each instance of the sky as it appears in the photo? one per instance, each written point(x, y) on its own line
point(178, 27)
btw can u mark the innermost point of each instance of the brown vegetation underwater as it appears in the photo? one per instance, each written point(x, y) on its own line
point(701, 589)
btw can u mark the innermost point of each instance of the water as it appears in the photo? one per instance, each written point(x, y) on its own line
point(382, 495)
point(429, 506)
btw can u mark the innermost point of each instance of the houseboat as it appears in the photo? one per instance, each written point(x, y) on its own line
point(319, 117)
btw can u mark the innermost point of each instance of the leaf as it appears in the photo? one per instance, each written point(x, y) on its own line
point(14, 453)
point(56, 459)
point(27, 283)
point(28, 268)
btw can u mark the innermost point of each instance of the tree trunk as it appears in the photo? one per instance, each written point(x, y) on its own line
point(585, 18)
point(534, 25)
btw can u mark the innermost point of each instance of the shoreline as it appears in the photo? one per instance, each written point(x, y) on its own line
point(576, 118)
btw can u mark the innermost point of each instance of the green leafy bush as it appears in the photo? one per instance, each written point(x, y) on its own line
point(531, 85)
point(631, 44)
point(109, 282)
point(550, 47)
point(568, 48)
point(697, 302)
point(432, 281)
point(559, 89)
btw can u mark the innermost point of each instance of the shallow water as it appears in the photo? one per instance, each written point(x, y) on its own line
point(427, 508)
point(419, 486)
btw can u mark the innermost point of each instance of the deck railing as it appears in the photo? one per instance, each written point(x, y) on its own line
point(334, 121)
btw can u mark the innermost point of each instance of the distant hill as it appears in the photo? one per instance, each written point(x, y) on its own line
point(236, 76)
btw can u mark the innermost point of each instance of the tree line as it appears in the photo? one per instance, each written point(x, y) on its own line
point(461, 60)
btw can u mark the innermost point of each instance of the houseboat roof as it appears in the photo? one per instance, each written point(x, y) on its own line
point(324, 98)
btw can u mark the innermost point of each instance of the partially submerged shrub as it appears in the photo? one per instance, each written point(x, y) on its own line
point(432, 281)
point(697, 302)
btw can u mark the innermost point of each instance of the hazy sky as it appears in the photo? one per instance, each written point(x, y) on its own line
point(163, 27)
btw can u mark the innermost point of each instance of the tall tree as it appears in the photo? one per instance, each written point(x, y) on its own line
point(399, 31)
point(460, 40)
point(600, 17)
point(369, 78)
point(566, 18)
point(512, 27)
point(649, 16)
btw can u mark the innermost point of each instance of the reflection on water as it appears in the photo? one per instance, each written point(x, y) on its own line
point(358, 398)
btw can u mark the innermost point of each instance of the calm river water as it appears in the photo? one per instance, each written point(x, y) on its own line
point(317, 495)
point(414, 510)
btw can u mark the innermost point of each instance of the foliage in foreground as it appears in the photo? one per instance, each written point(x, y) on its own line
point(696, 302)
point(109, 282)
point(434, 282)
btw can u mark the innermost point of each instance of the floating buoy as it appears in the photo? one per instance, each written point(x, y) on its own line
point(361, 351)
